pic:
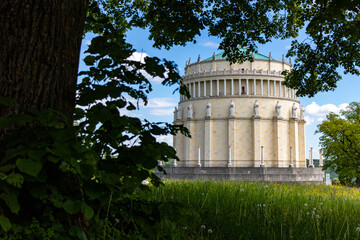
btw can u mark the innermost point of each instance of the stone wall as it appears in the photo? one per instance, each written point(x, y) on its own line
point(280, 175)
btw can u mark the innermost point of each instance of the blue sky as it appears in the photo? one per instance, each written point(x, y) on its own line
point(162, 100)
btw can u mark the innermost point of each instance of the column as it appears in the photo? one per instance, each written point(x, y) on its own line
point(199, 86)
point(199, 157)
point(291, 158)
point(232, 87)
point(294, 140)
point(302, 145)
point(277, 142)
point(207, 142)
point(194, 90)
point(274, 88)
point(189, 143)
point(190, 89)
point(256, 141)
point(217, 87)
point(229, 157)
point(254, 88)
point(211, 88)
point(262, 163)
point(311, 164)
point(231, 140)
point(239, 86)
point(261, 87)
point(204, 88)
point(224, 87)
point(280, 89)
point(268, 87)
point(247, 86)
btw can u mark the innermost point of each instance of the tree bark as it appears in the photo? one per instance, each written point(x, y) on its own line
point(40, 47)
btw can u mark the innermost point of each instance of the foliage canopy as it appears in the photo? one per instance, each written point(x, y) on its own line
point(340, 142)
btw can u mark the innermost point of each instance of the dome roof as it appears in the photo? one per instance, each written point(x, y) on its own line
point(220, 55)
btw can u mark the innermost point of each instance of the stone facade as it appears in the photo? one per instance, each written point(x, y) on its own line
point(240, 115)
point(260, 174)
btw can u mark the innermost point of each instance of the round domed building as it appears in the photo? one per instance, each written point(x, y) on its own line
point(244, 123)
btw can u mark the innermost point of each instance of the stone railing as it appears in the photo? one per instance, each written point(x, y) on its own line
point(232, 72)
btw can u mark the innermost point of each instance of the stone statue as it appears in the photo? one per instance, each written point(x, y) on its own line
point(175, 113)
point(190, 111)
point(293, 112)
point(232, 109)
point(179, 114)
point(256, 109)
point(208, 110)
point(277, 110)
point(302, 111)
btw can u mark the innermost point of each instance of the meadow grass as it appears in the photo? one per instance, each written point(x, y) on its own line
point(252, 210)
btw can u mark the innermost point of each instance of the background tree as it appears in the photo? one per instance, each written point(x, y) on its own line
point(340, 142)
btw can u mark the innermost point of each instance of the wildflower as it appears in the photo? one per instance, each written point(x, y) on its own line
point(209, 231)
point(184, 228)
point(321, 204)
point(314, 209)
point(203, 226)
point(117, 220)
point(317, 216)
point(259, 205)
point(145, 182)
point(241, 190)
point(264, 205)
point(305, 204)
point(202, 194)
point(358, 229)
point(266, 186)
point(313, 212)
point(307, 213)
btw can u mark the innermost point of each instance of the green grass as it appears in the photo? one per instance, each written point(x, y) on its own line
point(243, 210)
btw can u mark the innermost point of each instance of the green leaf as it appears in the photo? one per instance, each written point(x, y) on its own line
point(11, 200)
point(5, 223)
point(15, 179)
point(104, 63)
point(29, 166)
point(75, 231)
point(89, 60)
point(72, 207)
point(88, 211)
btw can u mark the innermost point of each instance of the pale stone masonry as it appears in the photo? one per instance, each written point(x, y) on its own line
point(237, 109)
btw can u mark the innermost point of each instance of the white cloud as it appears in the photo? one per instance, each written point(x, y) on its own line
point(162, 111)
point(288, 47)
point(165, 138)
point(140, 57)
point(315, 110)
point(317, 113)
point(308, 120)
point(161, 102)
point(210, 44)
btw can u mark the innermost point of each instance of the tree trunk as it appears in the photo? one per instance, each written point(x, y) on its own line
point(40, 46)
